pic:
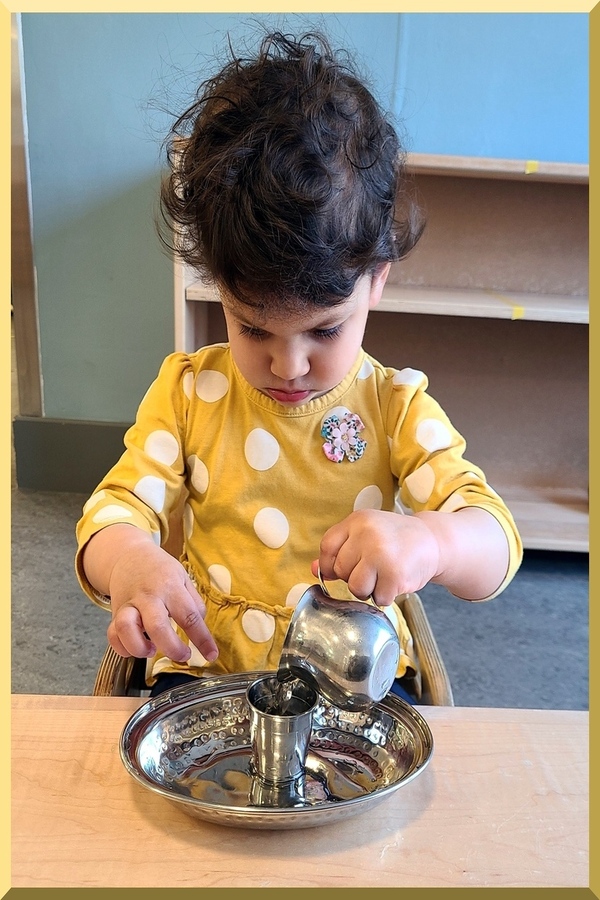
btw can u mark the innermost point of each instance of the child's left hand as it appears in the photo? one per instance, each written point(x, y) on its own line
point(379, 554)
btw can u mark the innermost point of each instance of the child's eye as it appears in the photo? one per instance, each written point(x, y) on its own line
point(328, 332)
point(249, 331)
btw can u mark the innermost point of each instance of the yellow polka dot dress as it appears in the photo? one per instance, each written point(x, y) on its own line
point(266, 481)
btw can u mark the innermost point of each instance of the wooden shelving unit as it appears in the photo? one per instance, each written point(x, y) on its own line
point(488, 167)
point(503, 268)
point(446, 302)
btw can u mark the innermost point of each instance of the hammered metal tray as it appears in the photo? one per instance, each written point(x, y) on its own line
point(191, 745)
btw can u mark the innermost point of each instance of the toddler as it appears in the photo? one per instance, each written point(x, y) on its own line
point(293, 449)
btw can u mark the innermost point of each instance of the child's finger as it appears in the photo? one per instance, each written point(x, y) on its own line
point(362, 579)
point(188, 610)
point(386, 588)
point(331, 543)
point(126, 635)
point(201, 638)
point(155, 622)
point(117, 645)
point(196, 597)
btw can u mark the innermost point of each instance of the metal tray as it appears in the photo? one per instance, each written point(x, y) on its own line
point(191, 745)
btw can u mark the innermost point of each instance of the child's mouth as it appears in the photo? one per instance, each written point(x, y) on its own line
point(288, 396)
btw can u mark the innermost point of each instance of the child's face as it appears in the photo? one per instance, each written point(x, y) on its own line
point(295, 358)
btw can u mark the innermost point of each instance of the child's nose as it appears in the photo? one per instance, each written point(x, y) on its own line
point(290, 363)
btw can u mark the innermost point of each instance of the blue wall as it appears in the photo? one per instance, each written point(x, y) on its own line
point(504, 85)
point(473, 84)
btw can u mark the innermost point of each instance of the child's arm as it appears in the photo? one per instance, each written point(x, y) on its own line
point(146, 586)
point(384, 554)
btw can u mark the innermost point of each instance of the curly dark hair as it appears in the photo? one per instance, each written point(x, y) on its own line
point(287, 182)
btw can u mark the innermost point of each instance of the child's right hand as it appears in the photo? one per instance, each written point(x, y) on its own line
point(148, 587)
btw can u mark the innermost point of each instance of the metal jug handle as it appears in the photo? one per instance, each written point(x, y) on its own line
point(370, 599)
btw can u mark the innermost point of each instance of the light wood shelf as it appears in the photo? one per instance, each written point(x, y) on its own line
point(506, 242)
point(447, 302)
point(487, 167)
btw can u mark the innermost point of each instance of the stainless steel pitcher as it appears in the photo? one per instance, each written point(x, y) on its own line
point(347, 650)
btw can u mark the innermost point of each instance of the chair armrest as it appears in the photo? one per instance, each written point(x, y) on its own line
point(113, 675)
point(436, 687)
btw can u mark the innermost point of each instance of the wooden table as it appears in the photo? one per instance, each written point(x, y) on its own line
point(503, 802)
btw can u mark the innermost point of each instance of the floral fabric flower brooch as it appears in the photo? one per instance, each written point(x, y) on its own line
point(341, 438)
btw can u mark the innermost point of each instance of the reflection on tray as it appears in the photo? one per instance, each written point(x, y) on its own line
point(329, 777)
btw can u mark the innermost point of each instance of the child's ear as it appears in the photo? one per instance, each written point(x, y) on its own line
point(378, 281)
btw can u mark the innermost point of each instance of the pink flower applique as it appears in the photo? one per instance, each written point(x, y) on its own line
point(341, 437)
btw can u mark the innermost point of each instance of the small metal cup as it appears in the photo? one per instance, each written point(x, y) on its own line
point(280, 736)
point(347, 650)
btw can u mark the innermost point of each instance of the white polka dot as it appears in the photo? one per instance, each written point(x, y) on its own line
point(259, 626)
point(111, 513)
point(408, 376)
point(366, 370)
point(433, 435)
point(421, 482)
point(188, 521)
point(198, 473)
point(271, 527)
point(162, 446)
point(295, 593)
point(188, 384)
point(369, 498)
point(261, 449)
point(94, 499)
point(152, 491)
point(196, 659)
point(454, 502)
point(220, 577)
point(211, 385)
